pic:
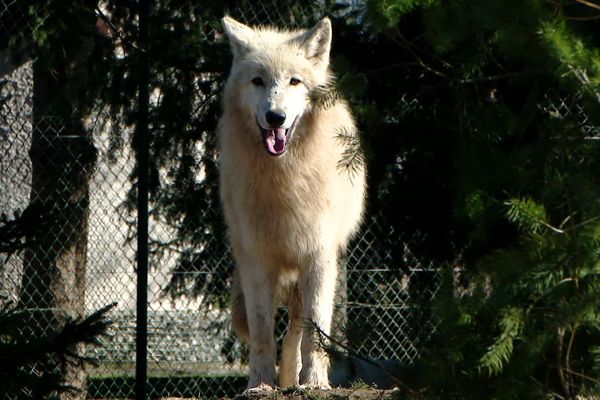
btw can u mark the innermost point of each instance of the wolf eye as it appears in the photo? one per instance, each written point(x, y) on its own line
point(295, 81)
point(258, 81)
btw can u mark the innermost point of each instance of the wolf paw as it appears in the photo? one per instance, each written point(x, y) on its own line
point(320, 386)
point(263, 388)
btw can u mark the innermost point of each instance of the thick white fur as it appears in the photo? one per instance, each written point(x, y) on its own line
point(288, 216)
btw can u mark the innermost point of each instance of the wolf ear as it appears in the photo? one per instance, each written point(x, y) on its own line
point(316, 42)
point(239, 36)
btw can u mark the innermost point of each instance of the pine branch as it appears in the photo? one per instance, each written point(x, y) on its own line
point(353, 157)
point(325, 96)
point(327, 343)
point(589, 4)
point(528, 215)
point(18, 233)
point(595, 353)
point(499, 353)
point(49, 352)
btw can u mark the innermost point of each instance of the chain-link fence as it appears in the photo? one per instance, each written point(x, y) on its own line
point(76, 168)
point(80, 168)
point(190, 346)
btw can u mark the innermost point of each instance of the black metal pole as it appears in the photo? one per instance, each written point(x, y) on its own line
point(141, 141)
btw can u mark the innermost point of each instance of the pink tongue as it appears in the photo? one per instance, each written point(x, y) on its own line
point(276, 140)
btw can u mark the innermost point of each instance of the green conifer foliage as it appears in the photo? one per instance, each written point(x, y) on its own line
point(33, 363)
point(500, 145)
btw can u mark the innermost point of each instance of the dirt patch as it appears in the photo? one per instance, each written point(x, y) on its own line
point(360, 393)
point(315, 394)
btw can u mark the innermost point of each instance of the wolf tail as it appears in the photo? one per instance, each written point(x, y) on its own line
point(239, 320)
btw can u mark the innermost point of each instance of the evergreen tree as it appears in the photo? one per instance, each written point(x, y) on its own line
point(33, 362)
point(465, 107)
point(189, 60)
point(66, 50)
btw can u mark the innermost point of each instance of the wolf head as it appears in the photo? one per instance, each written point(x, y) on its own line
point(272, 74)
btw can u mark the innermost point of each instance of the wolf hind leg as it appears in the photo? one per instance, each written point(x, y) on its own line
point(291, 361)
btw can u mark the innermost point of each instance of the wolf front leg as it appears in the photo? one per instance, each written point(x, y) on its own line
point(318, 289)
point(259, 289)
point(291, 362)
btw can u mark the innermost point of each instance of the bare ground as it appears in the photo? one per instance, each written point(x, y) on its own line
point(361, 393)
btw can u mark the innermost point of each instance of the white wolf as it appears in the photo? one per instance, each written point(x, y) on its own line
point(288, 205)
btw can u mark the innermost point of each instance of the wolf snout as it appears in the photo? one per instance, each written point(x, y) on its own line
point(275, 118)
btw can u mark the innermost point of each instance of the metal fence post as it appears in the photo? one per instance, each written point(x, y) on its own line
point(142, 141)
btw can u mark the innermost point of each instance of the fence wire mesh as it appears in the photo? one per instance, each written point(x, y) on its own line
point(186, 340)
point(191, 350)
point(91, 251)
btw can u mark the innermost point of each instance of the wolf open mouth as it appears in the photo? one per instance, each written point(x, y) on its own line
point(276, 140)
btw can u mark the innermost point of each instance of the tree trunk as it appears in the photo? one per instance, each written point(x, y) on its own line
point(62, 158)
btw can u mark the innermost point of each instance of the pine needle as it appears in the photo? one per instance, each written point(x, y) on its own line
point(528, 215)
point(353, 157)
point(325, 96)
point(499, 353)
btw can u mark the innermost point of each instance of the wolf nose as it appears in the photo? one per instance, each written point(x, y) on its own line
point(275, 118)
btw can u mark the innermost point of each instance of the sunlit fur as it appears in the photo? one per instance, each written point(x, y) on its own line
point(288, 216)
